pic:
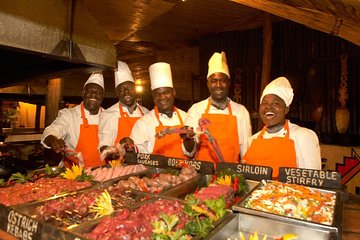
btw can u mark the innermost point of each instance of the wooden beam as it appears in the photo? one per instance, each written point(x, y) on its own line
point(53, 98)
point(314, 19)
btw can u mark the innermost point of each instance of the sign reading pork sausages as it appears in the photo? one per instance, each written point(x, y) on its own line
point(20, 225)
point(310, 177)
point(251, 172)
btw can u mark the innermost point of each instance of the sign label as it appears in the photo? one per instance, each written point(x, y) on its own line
point(251, 172)
point(21, 226)
point(168, 162)
point(310, 177)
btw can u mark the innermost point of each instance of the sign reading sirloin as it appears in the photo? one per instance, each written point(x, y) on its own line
point(22, 227)
point(310, 177)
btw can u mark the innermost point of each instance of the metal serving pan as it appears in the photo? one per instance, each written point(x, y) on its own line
point(70, 217)
point(179, 190)
point(248, 224)
point(334, 227)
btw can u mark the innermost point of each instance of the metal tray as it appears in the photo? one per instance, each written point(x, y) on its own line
point(249, 224)
point(81, 230)
point(177, 191)
point(70, 218)
point(334, 227)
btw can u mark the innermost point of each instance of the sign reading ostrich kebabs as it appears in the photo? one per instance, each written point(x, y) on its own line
point(19, 225)
point(159, 161)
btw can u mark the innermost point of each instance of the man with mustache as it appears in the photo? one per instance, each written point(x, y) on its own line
point(77, 128)
point(281, 143)
point(117, 121)
point(229, 121)
point(164, 115)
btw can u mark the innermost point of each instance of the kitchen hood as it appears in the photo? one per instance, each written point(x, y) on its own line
point(44, 38)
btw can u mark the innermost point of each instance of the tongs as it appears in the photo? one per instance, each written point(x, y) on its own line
point(171, 130)
point(203, 127)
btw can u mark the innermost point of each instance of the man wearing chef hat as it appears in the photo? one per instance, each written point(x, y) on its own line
point(117, 121)
point(229, 121)
point(281, 143)
point(164, 115)
point(77, 128)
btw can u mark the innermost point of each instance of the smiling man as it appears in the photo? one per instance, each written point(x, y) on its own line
point(117, 121)
point(164, 115)
point(229, 121)
point(281, 143)
point(77, 128)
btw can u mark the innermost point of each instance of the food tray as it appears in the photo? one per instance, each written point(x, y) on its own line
point(81, 230)
point(177, 191)
point(333, 227)
point(71, 217)
point(249, 224)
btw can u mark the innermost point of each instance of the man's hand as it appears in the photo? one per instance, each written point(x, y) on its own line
point(190, 132)
point(57, 144)
point(128, 144)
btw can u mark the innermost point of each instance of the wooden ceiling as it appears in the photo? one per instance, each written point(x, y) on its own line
point(141, 26)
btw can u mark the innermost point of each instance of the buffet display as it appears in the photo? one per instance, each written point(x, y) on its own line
point(138, 202)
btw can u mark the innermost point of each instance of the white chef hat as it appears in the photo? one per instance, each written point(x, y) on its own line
point(96, 78)
point(123, 74)
point(280, 87)
point(218, 63)
point(160, 75)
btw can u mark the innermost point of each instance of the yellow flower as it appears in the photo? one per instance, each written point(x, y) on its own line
point(226, 180)
point(290, 236)
point(103, 205)
point(73, 172)
point(114, 163)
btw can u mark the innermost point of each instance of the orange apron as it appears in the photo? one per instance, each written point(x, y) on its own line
point(275, 152)
point(224, 129)
point(169, 145)
point(88, 142)
point(125, 123)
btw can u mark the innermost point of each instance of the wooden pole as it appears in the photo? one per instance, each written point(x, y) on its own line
point(53, 97)
point(267, 52)
point(37, 116)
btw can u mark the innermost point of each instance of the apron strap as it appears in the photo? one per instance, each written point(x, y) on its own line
point(286, 127)
point(174, 109)
point(209, 104)
point(85, 121)
point(125, 114)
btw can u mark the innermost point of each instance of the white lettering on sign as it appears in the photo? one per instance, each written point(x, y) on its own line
point(143, 156)
point(252, 169)
point(21, 226)
point(298, 172)
point(195, 164)
point(305, 181)
point(148, 162)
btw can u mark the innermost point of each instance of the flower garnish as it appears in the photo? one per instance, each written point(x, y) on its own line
point(225, 180)
point(103, 205)
point(73, 172)
point(114, 163)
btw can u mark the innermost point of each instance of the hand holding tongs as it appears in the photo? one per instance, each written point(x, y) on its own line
point(72, 157)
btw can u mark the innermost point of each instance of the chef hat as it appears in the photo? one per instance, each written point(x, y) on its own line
point(96, 78)
point(280, 87)
point(160, 75)
point(123, 74)
point(217, 63)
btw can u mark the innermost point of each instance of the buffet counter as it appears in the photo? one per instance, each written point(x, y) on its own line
point(350, 222)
